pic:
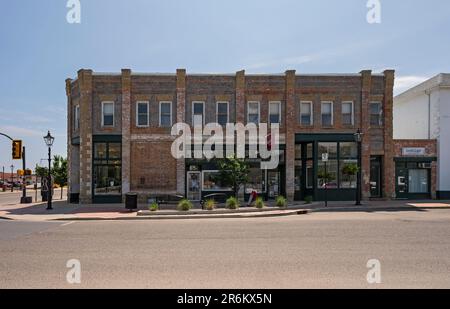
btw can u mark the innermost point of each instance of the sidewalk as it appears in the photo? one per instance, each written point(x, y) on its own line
point(72, 212)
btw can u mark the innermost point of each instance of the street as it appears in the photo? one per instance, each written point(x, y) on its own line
point(321, 250)
point(10, 198)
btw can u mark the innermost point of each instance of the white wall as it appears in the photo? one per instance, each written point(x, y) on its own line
point(444, 141)
point(411, 118)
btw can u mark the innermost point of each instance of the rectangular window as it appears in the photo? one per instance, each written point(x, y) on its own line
point(253, 112)
point(376, 114)
point(222, 113)
point(306, 113)
point(275, 112)
point(418, 181)
point(347, 113)
point(107, 114)
point(142, 114)
point(327, 176)
point(107, 168)
point(165, 114)
point(76, 117)
point(348, 170)
point(212, 182)
point(327, 114)
point(198, 112)
point(255, 181)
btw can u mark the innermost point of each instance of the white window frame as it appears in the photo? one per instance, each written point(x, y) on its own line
point(217, 110)
point(259, 111)
point(113, 114)
point(192, 112)
point(311, 117)
point(353, 111)
point(279, 111)
point(209, 190)
point(332, 111)
point(160, 114)
point(76, 124)
point(137, 114)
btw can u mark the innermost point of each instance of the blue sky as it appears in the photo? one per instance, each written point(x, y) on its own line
point(39, 49)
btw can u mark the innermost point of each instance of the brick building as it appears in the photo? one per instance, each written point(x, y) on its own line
point(119, 129)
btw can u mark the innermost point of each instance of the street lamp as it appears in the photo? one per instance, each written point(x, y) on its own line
point(49, 142)
point(358, 139)
point(12, 178)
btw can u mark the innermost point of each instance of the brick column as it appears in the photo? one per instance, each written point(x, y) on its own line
point(366, 80)
point(126, 130)
point(290, 134)
point(85, 84)
point(389, 168)
point(181, 118)
point(240, 97)
point(69, 134)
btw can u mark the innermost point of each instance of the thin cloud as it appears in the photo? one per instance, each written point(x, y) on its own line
point(403, 83)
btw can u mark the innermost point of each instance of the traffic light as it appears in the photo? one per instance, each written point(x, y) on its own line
point(20, 172)
point(28, 172)
point(17, 150)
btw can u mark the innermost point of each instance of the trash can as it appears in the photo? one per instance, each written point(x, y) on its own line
point(131, 201)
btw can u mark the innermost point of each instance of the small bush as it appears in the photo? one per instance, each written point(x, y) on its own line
point(232, 203)
point(308, 199)
point(153, 206)
point(184, 205)
point(210, 204)
point(281, 201)
point(259, 203)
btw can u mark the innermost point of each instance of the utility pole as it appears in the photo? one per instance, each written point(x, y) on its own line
point(12, 178)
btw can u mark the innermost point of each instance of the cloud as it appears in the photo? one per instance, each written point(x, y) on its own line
point(403, 83)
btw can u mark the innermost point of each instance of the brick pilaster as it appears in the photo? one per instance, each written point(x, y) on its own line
point(240, 97)
point(181, 111)
point(290, 134)
point(126, 130)
point(389, 168)
point(366, 80)
point(69, 133)
point(86, 151)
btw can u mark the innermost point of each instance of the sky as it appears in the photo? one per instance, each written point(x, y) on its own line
point(39, 49)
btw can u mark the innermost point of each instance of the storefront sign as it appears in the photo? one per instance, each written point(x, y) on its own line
point(324, 157)
point(414, 151)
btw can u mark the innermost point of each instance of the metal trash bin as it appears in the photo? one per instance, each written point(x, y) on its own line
point(131, 201)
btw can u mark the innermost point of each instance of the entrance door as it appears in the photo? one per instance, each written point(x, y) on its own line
point(193, 186)
point(273, 184)
point(401, 182)
point(375, 177)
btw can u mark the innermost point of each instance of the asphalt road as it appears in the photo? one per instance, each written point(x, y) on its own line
point(311, 251)
point(11, 198)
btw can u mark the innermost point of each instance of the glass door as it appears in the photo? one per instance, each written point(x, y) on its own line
point(273, 182)
point(193, 186)
point(375, 177)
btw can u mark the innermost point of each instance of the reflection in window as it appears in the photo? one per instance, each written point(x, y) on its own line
point(212, 182)
point(330, 148)
point(107, 171)
point(100, 150)
point(348, 150)
point(348, 170)
point(329, 176)
point(255, 182)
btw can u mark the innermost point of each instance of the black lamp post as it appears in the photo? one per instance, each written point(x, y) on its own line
point(358, 140)
point(49, 142)
point(12, 178)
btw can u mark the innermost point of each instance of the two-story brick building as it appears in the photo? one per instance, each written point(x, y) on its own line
point(119, 132)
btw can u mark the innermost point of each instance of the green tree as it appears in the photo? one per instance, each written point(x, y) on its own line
point(59, 172)
point(350, 170)
point(233, 172)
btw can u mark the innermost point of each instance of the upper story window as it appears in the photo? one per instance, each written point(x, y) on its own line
point(165, 114)
point(76, 117)
point(376, 114)
point(142, 114)
point(306, 113)
point(253, 112)
point(347, 113)
point(327, 114)
point(274, 112)
point(222, 113)
point(198, 113)
point(107, 114)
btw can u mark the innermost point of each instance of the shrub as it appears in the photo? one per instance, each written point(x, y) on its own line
point(232, 203)
point(210, 204)
point(259, 203)
point(281, 201)
point(184, 205)
point(153, 206)
point(308, 199)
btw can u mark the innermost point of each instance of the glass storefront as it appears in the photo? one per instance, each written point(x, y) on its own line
point(107, 169)
point(413, 178)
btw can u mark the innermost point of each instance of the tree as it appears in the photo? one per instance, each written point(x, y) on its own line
point(233, 172)
point(350, 170)
point(59, 172)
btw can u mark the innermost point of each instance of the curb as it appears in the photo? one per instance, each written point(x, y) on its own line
point(375, 209)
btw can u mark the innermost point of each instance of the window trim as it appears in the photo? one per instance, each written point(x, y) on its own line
point(381, 114)
point(217, 110)
point(203, 112)
point(279, 112)
point(76, 125)
point(332, 113)
point(137, 114)
point(311, 117)
point(160, 114)
point(352, 112)
point(259, 111)
point(113, 114)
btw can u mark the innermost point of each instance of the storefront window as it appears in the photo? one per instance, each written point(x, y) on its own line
point(309, 174)
point(348, 170)
point(255, 182)
point(107, 171)
point(329, 177)
point(212, 182)
point(298, 176)
point(330, 148)
point(348, 150)
point(418, 181)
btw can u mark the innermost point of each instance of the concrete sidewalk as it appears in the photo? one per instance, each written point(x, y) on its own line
point(71, 212)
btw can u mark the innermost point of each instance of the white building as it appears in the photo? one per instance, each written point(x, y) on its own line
point(423, 112)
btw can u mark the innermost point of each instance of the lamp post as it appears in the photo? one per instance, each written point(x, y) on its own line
point(12, 178)
point(49, 142)
point(358, 139)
